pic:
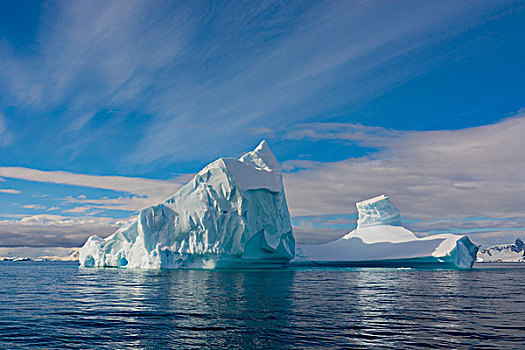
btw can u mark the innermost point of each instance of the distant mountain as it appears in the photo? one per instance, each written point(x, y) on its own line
point(72, 255)
point(503, 253)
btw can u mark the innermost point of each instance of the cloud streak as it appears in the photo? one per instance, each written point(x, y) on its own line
point(149, 191)
point(5, 136)
point(9, 191)
point(52, 230)
point(273, 83)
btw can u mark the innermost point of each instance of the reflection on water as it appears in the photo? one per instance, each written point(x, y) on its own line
point(61, 306)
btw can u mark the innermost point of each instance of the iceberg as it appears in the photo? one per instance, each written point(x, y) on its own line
point(233, 213)
point(381, 240)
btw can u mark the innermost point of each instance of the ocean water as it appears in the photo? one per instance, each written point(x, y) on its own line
point(52, 305)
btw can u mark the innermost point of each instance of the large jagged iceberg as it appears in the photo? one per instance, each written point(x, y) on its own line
point(232, 214)
point(381, 240)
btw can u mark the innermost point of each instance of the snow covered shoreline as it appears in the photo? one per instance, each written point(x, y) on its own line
point(503, 253)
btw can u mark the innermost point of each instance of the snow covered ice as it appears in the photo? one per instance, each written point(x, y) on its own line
point(233, 213)
point(381, 240)
point(503, 253)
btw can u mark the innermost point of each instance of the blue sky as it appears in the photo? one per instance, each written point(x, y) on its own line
point(420, 100)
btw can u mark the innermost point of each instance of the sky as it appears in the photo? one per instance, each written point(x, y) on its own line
point(107, 107)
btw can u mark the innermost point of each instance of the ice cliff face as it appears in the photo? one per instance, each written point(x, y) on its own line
point(380, 240)
point(503, 253)
point(380, 221)
point(232, 214)
point(377, 211)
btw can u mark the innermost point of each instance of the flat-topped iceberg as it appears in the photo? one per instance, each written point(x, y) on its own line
point(381, 240)
point(233, 213)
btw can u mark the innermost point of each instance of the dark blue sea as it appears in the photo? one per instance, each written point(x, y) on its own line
point(55, 305)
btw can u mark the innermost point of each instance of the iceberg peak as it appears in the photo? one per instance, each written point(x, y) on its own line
point(379, 221)
point(258, 169)
point(262, 157)
point(378, 211)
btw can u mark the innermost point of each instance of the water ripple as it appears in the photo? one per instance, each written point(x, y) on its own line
point(61, 306)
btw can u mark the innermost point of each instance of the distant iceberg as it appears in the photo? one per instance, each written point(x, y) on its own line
point(381, 240)
point(232, 214)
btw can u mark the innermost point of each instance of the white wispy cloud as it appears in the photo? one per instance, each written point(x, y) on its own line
point(5, 136)
point(90, 57)
point(147, 191)
point(105, 38)
point(52, 230)
point(277, 79)
point(9, 191)
point(200, 89)
point(361, 134)
point(262, 131)
point(120, 203)
point(77, 210)
point(34, 206)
